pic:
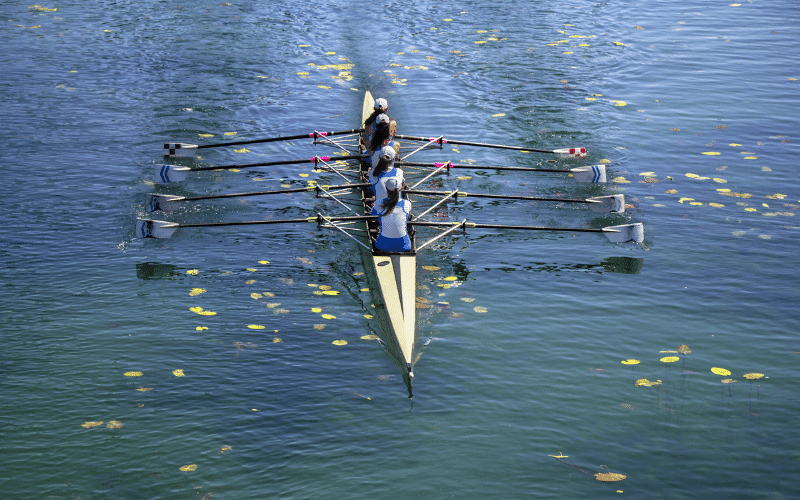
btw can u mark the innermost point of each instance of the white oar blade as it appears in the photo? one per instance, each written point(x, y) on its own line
point(163, 202)
point(625, 233)
point(592, 173)
point(570, 152)
point(614, 203)
point(173, 149)
point(165, 174)
point(146, 228)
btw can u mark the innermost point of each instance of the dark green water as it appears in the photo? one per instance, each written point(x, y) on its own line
point(90, 90)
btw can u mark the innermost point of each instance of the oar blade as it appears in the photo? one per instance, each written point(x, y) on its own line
point(179, 149)
point(162, 202)
point(165, 174)
point(147, 228)
point(590, 174)
point(570, 152)
point(614, 203)
point(625, 233)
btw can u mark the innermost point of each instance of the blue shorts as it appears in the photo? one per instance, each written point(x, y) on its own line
point(393, 244)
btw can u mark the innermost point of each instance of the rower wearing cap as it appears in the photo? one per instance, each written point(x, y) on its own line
point(383, 172)
point(381, 107)
point(382, 136)
point(393, 212)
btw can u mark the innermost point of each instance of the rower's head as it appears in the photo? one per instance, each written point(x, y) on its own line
point(382, 118)
point(392, 184)
point(388, 153)
point(381, 105)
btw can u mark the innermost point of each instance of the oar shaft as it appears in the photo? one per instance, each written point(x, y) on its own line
point(312, 135)
point(278, 221)
point(495, 196)
point(469, 225)
point(482, 167)
point(315, 160)
point(277, 191)
point(442, 140)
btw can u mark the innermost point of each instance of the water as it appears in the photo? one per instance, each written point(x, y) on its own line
point(90, 90)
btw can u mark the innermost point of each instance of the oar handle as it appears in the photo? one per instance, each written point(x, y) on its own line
point(313, 135)
point(315, 160)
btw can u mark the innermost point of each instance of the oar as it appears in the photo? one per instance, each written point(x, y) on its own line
point(564, 152)
point(616, 234)
point(613, 203)
point(149, 228)
point(591, 173)
point(183, 149)
point(165, 174)
point(169, 203)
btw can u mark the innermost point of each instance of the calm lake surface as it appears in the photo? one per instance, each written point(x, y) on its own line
point(113, 386)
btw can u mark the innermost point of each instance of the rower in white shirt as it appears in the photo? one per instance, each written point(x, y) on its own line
point(383, 171)
point(394, 213)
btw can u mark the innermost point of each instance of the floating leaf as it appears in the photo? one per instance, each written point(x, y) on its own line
point(669, 359)
point(89, 425)
point(263, 262)
point(178, 373)
point(467, 299)
point(368, 316)
point(189, 468)
point(330, 292)
point(193, 272)
point(144, 389)
point(339, 342)
point(319, 326)
point(114, 424)
point(277, 340)
point(255, 295)
point(196, 291)
point(316, 310)
point(711, 153)
point(256, 327)
point(201, 328)
point(728, 381)
point(630, 361)
point(720, 371)
point(609, 476)
point(273, 305)
point(369, 337)
point(646, 383)
point(684, 349)
point(243, 150)
point(451, 278)
point(249, 282)
point(479, 309)
point(753, 376)
point(328, 316)
point(268, 294)
point(133, 374)
point(207, 313)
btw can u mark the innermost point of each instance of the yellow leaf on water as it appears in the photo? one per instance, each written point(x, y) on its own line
point(193, 272)
point(114, 424)
point(263, 262)
point(451, 278)
point(684, 349)
point(255, 295)
point(609, 476)
point(339, 342)
point(316, 310)
point(319, 326)
point(178, 373)
point(268, 294)
point(753, 376)
point(498, 115)
point(273, 305)
point(750, 158)
point(620, 180)
point(277, 340)
point(89, 425)
point(479, 309)
point(720, 371)
point(630, 361)
point(251, 269)
point(711, 153)
point(368, 316)
point(669, 359)
point(133, 374)
point(331, 292)
point(201, 328)
point(467, 299)
point(728, 381)
point(189, 468)
point(328, 316)
point(243, 150)
point(369, 337)
point(230, 133)
point(207, 313)
point(249, 282)
point(196, 291)
point(256, 327)
point(716, 205)
point(144, 389)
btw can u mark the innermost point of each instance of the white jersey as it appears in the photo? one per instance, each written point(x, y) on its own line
point(393, 224)
point(379, 182)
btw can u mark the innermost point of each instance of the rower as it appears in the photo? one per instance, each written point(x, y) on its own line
point(383, 171)
point(393, 212)
point(382, 136)
point(380, 107)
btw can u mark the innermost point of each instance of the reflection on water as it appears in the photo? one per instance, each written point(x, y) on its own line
point(624, 265)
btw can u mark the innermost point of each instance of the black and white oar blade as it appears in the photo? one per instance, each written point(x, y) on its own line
point(589, 174)
point(164, 174)
point(179, 149)
point(146, 228)
point(614, 203)
point(163, 202)
point(625, 233)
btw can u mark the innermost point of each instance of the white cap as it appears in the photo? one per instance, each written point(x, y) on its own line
point(382, 118)
point(381, 104)
point(387, 153)
point(392, 184)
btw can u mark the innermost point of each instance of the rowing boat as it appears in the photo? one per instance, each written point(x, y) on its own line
point(392, 277)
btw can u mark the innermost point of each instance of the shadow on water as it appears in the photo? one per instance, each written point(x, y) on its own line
point(623, 265)
point(154, 270)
